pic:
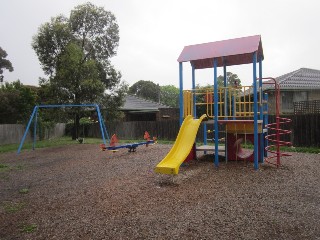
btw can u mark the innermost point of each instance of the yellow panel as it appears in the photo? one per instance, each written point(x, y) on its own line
point(242, 127)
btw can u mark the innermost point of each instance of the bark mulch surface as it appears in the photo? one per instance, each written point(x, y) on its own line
point(80, 192)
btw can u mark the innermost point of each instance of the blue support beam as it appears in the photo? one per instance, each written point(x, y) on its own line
point(215, 110)
point(35, 109)
point(205, 135)
point(193, 91)
point(255, 111)
point(266, 122)
point(66, 105)
point(102, 129)
point(261, 96)
point(35, 130)
point(225, 84)
point(181, 91)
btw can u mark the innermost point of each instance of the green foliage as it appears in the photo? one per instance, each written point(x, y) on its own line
point(29, 228)
point(97, 31)
point(145, 89)
point(44, 144)
point(75, 53)
point(4, 63)
point(24, 190)
point(112, 102)
point(12, 207)
point(170, 95)
point(232, 80)
point(77, 83)
point(68, 48)
point(50, 42)
point(17, 102)
point(3, 167)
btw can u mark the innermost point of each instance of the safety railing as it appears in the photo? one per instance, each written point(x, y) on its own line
point(232, 101)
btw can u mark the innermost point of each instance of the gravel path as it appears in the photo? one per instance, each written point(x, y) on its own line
point(80, 192)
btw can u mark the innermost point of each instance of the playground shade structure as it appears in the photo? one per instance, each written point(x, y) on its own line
point(182, 146)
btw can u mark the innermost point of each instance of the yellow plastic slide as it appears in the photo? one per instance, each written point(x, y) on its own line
point(182, 146)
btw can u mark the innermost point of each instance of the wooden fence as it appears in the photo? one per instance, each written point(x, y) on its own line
point(12, 133)
point(164, 130)
point(305, 130)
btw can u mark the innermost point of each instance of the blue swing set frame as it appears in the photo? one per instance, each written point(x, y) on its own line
point(34, 117)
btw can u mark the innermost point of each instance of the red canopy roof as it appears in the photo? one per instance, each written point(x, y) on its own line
point(233, 51)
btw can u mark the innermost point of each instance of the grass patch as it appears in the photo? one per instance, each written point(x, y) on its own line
point(47, 143)
point(24, 191)
point(65, 141)
point(298, 149)
point(68, 141)
point(12, 207)
point(4, 168)
point(19, 167)
point(29, 228)
point(4, 177)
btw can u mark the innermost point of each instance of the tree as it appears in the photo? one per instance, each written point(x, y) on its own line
point(170, 95)
point(232, 80)
point(17, 101)
point(146, 89)
point(75, 53)
point(4, 63)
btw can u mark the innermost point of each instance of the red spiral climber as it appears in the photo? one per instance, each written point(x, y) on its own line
point(274, 140)
point(275, 132)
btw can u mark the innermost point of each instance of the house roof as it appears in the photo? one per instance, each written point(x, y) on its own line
point(303, 78)
point(229, 52)
point(133, 103)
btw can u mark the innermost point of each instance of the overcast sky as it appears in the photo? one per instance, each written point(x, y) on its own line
point(154, 32)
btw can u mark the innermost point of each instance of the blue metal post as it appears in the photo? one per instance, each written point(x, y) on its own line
point(100, 122)
point(266, 121)
point(262, 144)
point(233, 106)
point(216, 130)
point(193, 91)
point(225, 84)
point(105, 129)
point(181, 91)
point(27, 129)
point(35, 130)
point(255, 111)
point(205, 136)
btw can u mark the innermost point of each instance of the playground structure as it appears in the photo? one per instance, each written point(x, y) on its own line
point(34, 118)
point(242, 110)
point(131, 146)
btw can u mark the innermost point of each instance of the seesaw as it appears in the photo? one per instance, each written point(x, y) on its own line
point(131, 146)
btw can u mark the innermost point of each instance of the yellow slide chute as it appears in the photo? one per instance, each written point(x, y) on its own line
point(182, 146)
